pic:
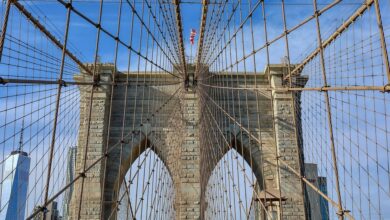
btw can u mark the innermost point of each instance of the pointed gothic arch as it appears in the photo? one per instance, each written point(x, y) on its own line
point(156, 188)
point(230, 188)
point(247, 149)
point(130, 154)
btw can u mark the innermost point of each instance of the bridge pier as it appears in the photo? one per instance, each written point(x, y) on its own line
point(176, 140)
point(92, 189)
point(187, 204)
point(288, 147)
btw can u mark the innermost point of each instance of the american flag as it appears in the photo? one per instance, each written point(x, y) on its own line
point(192, 36)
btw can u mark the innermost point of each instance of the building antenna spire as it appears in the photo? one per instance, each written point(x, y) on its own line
point(21, 137)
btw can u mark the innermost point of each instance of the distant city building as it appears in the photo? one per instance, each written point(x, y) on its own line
point(15, 184)
point(14, 188)
point(52, 212)
point(324, 205)
point(317, 206)
point(70, 171)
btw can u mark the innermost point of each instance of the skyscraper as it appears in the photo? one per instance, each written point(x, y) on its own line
point(322, 185)
point(14, 187)
point(71, 164)
point(316, 204)
point(15, 183)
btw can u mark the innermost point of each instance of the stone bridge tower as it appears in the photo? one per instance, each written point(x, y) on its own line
point(130, 134)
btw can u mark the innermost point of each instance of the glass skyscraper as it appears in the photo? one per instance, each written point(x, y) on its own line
point(15, 184)
point(322, 185)
point(316, 204)
point(70, 172)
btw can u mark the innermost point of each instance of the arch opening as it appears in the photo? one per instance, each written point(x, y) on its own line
point(230, 191)
point(147, 190)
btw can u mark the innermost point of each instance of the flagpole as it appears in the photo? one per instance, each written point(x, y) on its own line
point(192, 38)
